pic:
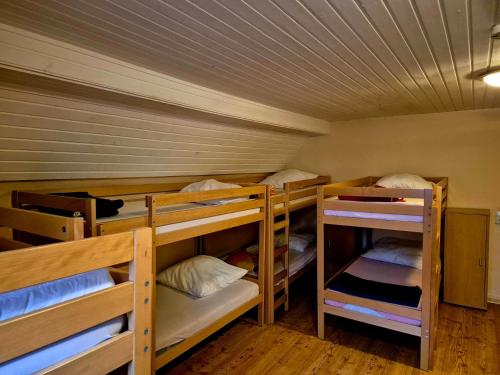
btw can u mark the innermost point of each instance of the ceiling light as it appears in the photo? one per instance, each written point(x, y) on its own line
point(492, 78)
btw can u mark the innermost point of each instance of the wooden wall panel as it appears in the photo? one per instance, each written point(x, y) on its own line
point(44, 135)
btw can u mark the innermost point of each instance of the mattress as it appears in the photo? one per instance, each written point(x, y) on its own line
point(30, 299)
point(297, 260)
point(26, 300)
point(383, 272)
point(380, 216)
point(62, 350)
point(180, 316)
point(207, 220)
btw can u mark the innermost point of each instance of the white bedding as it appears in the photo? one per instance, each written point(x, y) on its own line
point(179, 316)
point(30, 299)
point(380, 216)
point(207, 220)
point(26, 300)
point(62, 350)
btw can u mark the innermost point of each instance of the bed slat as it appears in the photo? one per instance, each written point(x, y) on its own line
point(362, 191)
point(389, 324)
point(169, 199)
point(378, 207)
point(374, 304)
point(101, 359)
point(35, 330)
point(294, 206)
point(52, 226)
point(205, 211)
point(406, 226)
point(52, 201)
point(182, 234)
point(17, 269)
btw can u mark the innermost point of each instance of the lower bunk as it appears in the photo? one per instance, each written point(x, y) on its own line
point(197, 292)
point(62, 312)
point(182, 319)
point(370, 290)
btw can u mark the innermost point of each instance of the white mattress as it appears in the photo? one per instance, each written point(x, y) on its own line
point(380, 216)
point(180, 316)
point(26, 300)
point(207, 220)
point(62, 350)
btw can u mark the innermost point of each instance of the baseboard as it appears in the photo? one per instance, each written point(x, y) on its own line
point(494, 299)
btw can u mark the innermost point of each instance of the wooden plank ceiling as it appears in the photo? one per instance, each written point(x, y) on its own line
point(331, 59)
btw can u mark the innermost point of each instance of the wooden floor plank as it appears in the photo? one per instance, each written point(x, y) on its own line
point(468, 342)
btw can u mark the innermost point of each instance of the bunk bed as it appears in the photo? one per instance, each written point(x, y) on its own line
point(180, 320)
point(62, 313)
point(389, 295)
point(283, 266)
point(132, 192)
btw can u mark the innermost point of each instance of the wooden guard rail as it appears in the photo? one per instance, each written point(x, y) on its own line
point(31, 266)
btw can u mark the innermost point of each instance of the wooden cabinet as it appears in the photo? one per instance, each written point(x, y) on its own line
point(466, 257)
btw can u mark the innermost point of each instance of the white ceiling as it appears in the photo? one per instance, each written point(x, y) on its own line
point(332, 59)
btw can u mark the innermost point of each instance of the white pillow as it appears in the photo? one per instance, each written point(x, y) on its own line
point(398, 251)
point(210, 184)
point(404, 181)
point(289, 175)
point(200, 276)
point(299, 242)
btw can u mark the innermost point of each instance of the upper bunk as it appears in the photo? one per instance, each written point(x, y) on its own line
point(360, 203)
point(178, 216)
point(132, 192)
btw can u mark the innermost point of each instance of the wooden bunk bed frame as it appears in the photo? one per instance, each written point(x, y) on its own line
point(434, 203)
point(130, 190)
point(296, 195)
point(57, 228)
point(157, 219)
point(34, 265)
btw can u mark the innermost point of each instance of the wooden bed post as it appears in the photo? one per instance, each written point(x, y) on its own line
point(263, 254)
point(90, 217)
point(140, 272)
point(320, 257)
point(287, 241)
point(269, 263)
point(427, 245)
point(151, 204)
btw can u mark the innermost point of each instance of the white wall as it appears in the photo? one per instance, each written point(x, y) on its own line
point(45, 135)
point(465, 146)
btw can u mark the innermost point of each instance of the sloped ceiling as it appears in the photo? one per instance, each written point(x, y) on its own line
point(332, 59)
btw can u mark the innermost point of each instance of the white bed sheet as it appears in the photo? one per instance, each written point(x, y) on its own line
point(180, 316)
point(62, 350)
point(26, 300)
point(207, 220)
point(30, 299)
point(380, 216)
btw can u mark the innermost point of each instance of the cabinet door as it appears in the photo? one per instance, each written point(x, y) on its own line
point(465, 259)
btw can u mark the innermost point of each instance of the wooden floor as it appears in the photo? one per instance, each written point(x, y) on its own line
point(468, 343)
